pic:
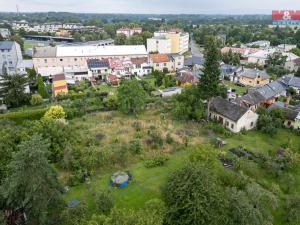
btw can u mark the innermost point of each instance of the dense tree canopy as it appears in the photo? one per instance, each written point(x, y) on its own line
point(32, 182)
point(131, 96)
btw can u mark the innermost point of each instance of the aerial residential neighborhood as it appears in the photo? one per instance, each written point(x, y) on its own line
point(150, 113)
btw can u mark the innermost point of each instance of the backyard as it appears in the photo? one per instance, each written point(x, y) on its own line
point(147, 182)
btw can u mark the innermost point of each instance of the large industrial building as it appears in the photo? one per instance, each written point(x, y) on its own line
point(53, 60)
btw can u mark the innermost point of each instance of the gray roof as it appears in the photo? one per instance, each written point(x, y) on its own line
point(6, 45)
point(295, 82)
point(272, 89)
point(291, 114)
point(277, 105)
point(44, 52)
point(253, 73)
point(250, 99)
point(227, 109)
point(194, 60)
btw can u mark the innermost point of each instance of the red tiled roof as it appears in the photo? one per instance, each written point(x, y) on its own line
point(159, 58)
point(138, 61)
point(58, 77)
point(112, 77)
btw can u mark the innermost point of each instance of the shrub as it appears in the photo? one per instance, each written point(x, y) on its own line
point(136, 146)
point(155, 139)
point(55, 112)
point(156, 161)
point(169, 139)
point(219, 129)
point(21, 116)
point(104, 202)
point(36, 99)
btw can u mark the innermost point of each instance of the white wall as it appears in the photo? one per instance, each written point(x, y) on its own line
point(159, 45)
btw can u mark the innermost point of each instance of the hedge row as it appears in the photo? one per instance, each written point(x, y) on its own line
point(19, 117)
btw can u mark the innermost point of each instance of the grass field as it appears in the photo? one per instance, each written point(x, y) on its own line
point(238, 89)
point(147, 182)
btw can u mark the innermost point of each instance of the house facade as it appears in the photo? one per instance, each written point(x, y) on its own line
point(175, 41)
point(253, 77)
point(10, 56)
point(59, 85)
point(232, 116)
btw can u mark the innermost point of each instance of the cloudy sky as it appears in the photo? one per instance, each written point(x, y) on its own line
point(151, 6)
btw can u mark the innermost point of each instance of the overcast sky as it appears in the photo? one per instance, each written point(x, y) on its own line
point(151, 6)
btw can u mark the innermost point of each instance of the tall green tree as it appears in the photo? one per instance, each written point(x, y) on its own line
point(42, 90)
point(120, 39)
point(32, 182)
point(131, 96)
point(12, 90)
point(209, 86)
point(192, 197)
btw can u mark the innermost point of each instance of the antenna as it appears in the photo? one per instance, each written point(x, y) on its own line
point(17, 9)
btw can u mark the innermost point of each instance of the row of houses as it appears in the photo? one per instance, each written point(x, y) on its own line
point(50, 27)
point(85, 61)
point(240, 113)
point(260, 56)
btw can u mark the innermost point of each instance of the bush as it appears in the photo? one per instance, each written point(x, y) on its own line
point(104, 202)
point(21, 116)
point(169, 139)
point(219, 129)
point(55, 112)
point(36, 99)
point(136, 146)
point(156, 161)
point(155, 139)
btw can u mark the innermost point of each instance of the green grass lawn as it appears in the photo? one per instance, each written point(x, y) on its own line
point(146, 184)
point(238, 89)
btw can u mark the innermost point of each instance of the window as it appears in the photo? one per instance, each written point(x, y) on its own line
point(252, 124)
point(45, 60)
point(226, 123)
point(61, 60)
point(157, 64)
point(75, 59)
point(165, 64)
point(232, 126)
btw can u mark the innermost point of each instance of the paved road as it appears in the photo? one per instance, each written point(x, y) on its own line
point(195, 49)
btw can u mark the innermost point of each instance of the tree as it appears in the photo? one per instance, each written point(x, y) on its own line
point(36, 99)
point(192, 197)
point(131, 96)
point(32, 183)
point(292, 209)
point(12, 90)
point(42, 90)
point(77, 36)
point(135, 39)
point(209, 82)
point(120, 39)
point(55, 112)
point(188, 105)
point(269, 121)
point(241, 210)
point(104, 202)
